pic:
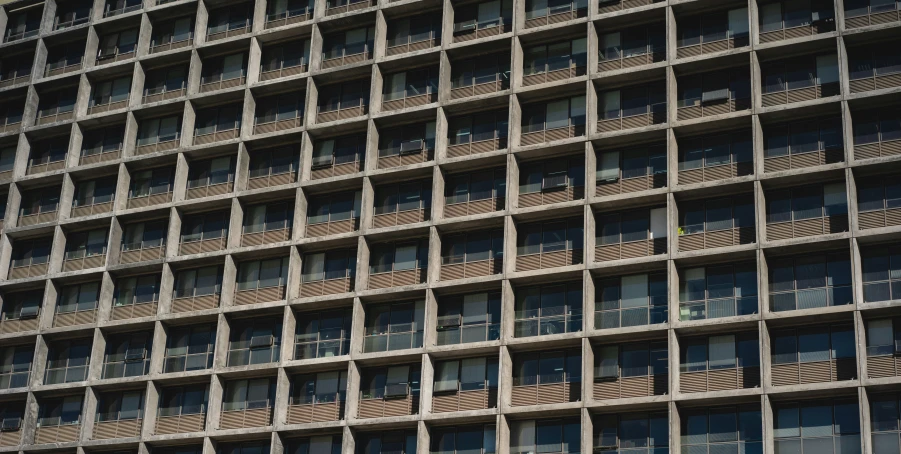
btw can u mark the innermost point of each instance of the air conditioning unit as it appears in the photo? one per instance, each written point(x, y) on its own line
point(261, 341)
point(29, 312)
point(11, 425)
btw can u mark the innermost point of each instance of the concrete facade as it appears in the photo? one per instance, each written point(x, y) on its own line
point(678, 121)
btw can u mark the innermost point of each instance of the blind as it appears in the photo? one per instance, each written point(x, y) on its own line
point(658, 223)
point(722, 351)
point(634, 291)
point(609, 168)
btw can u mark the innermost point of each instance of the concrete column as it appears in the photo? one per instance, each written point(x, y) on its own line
point(115, 242)
point(173, 235)
point(434, 255)
point(255, 55)
point(89, 408)
point(66, 196)
point(39, 363)
point(98, 350)
point(426, 384)
point(248, 113)
point(289, 328)
point(229, 278)
point(196, 65)
point(130, 137)
point(158, 347)
point(180, 183)
point(107, 293)
point(200, 27)
point(242, 167)
point(167, 286)
point(283, 390)
point(300, 215)
point(235, 224)
point(214, 405)
point(505, 379)
point(57, 251)
point(588, 301)
point(362, 272)
point(123, 186)
point(351, 405)
point(187, 125)
point(357, 328)
point(587, 373)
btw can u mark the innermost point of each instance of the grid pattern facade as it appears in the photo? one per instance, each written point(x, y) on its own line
point(631, 226)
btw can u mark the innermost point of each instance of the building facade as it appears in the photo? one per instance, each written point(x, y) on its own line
point(474, 227)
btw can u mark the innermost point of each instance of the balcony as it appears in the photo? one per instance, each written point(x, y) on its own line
point(883, 359)
point(411, 97)
point(648, 307)
point(557, 181)
point(172, 43)
point(163, 93)
point(648, 49)
point(631, 235)
point(475, 29)
point(480, 76)
point(46, 163)
point(572, 68)
point(324, 410)
point(247, 418)
point(803, 144)
point(610, 6)
point(716, 223)
point(342, 111)
point(700, 372)
point(30, 267)
point(316, 281)
point(15, 76)
point(183, 423)
point(817, 210)
point(99, 155)
point(183, 302)
point(272, 175)
point(142, 251)
point(121, 7)
point(877, 134)
point(231, 29)
point(868, 14)
point(55, 68)
point(714, 93)
point(143, 201)
point(48, 433)
point(346, 6)
point(97, 108)
point(120, 428)
point(715, 32)
point(222, 81)
point(407, 152)
point(821, 364)
point(254, 237)
point(876, 206)
point(473, 203)
point(135, 307)
point(218, 135)
point(783, 21)
point(874, 68)
point(44, 214)
point(477, 144)
point(260, 294)
point(87, 258)
point(55, 114)
point(412, 43)
point(630, 370)
point(555, 14)
point(288, 17)
point(472, 255)
point(804, 78)
point(536, 250)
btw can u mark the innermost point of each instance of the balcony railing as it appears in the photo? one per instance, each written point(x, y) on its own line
point(172, 45)
point(106, 107)
point(74, 318)
point(547, 321)
point(408, 99)
point(323, 344)
point(557, 392)
point(25, 268)
point(717, 308)
point(231, 29)
point(451, 331)
point(142, 252)
point(412, 43)
point(10, 37)
point(14, 78)
point(288, 17)
point(342, 111)
point(813, 372)
point(806, 227)
point(275, 177)
point(121, 428)
point(95, 157)
point(633, 60)
point(47, 432)
point(184, 423)
point(40, 217)
point(866, 16)
point(11, 437)
point(554, 75)
point(481, 86)
point(279, 125)
point(8, 124)
point(202, 245)
point(123, 10)
point(477, 146)
point(556, 15)
point(332, 227)
point(348, 7)
point(788, 96)
point(20, 324)
point(473, 207)
point(700, 109)
point(543, 260)
point(117, 55)
point(473, 29)
point(630, 249)
point(654, 114)
point(476, 268)
point(398, 404)
point(135, 309)
point(54, 115)
point(629, 387)
point(90, 257)
point(260, 295)
point(345, 58)
point(812, 158)
point(283, 71)
point(397, 278)
point(319, 409)
point(44, 165)
point(261, 237)
point(712, 44)
point(394, 218)
point(253, 416)
point(192, 302)
point(408, 153)
point(143, 201)
point(550, 135)
point(624, 318)
point(165, 143)
point(811, 298)
point(735, 236)
point(719, 379)
point(610, 6)
point(812, 29)
point(218, 136)
point(162, 94)
point(209, 190)
point(459, 400)
point(878, 81)
point(331, 286)
point(207, 86)
point(548, 196)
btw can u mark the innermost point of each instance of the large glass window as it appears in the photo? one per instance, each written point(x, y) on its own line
point(254, 341)
point(67, 361)
point(15, 366)
point(810, 282)
point(612, 166)
point(814, 344)
point(622, 433)
point(198, 282)
point(727, 351)
point(807, 202)
point(548, 309)
point(562, 436)
point(821, 426)
point(484, 185)
point(120, 406)
point(184, 400)
point(128, 355)
point(643, 359)
point(551, 237)
point(248, 394)
point(723, 429)
point(635, 300)
point(402, 256)
point(718, 291)
point(189, 348)
point(396, 326)
point(317, 388)
point(392, 442)
point(464, 440)
point(553, 114)
point(322, 334)
point(61, 411)
point(334, 207)
point(264, 218)
point(78, 298)
point(469, 374)
point(542, 368)
point(391, 382)
point(553, 175)
point(260, 274)
point(802, 137)
point(881, 273)
point(469, 318)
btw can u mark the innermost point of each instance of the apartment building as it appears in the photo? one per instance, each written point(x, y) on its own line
point(450, 226)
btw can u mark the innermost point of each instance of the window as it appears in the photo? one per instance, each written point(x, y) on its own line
point(249, 447)
point(638, 225)
point(344, 96)
point(334, 207)
point(390, 382)
point(128, 355)
point(404, 197)
point(61, 411)
point(718, 214)
point(478, 128)
point(633, 163)
point(415, 82)
point(272, 162)
point(410, 139)
point(557, 56)
point(881, 274)
point(632, 42)
point(144, 235)
point(24, 24)
point(65, 55)
point(553, 114)
point(414, 29)
point(10, 113)
point(78, 298)
point(261, 274)
point(150, 182)
point(218, 119)
point(469, 374)
point(206, 226)
point(810, 282)
point(628, 431)
point(866, 62)
point(632, 101)
point(111, 91)
point(31, 252)
point(254, 342)
point(723, 429)
point(464, 440)
point(884, 423)
point(329, 265)
point(804, 345)
point(117, 44)
point(22, 306)
point(635, 300)
point(388, 257)
point(872, 128)
point(184, 400)
point(800, 72)
point(344, 150)
point(198, 282)
point(718, 291)
point(120, 406)
point(234, 17)
point(472, 247)
point(15, 66)
point(318, 388)
point(7, 158)
point(11, 414)
point(104, 140)
point(321, 444)
point(485, 185)
point(714, 151)
point(67, 361)
point(557, 174)
point(380, 442)
point(47, 151)
point(281, 107)
point(883, 337)
point(808, 202)
point(794, 13)
point(546, 436)
point(189, 348)
point(159, 130)
point(822, 426)
point(322, 334)
point(551, 237)
point(215, 171)
point(717, 26)
point(264, 218)
point(165, 80)
point(483, 15)
point(397, 326)
point(15, 367)
point(727, 351)
point(644, 359)
point(469, 318)
point(802, 137)
point(877, 194)
point(549, 309)
point(541, 368)
point(485, 69)
point(248, 394)
point(86, 244)
point(137, 290)
point(349, 42)
point(277, 8)
point(714, 87)
point(114, 7)
point(223, 68)
point(172, 31)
